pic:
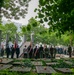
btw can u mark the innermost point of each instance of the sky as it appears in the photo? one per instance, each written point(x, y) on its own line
point(32, 5)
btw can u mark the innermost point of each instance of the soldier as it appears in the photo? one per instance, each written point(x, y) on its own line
point(12, 51)
point(36, 53)
point(46, 52)
point(51, 52)
point(25, 51)
point(7, 51)
point(30, 51)
point(41, 51)
point(69, 50)
point(54, 51)
point(17, 51)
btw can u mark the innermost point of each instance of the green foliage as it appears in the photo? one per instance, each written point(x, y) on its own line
point(61, 64)
point(59, 14)
point(10, 29)
point(1, 27)
point(1, 3)
point(42, 2)
point(24, 29)
point(33, 22)
point(7, 72)
point(27, 63)
point(13, 9)
point(28, 27)
point(42, 34)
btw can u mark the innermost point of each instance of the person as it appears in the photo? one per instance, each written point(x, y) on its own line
point(2, 51)
point(69, 51)
point(46, 52)
point(25, 51)
point(41, 51)
point(12, 52)
point(7, 51)
point(51, 52)
point(54, 51)
point(30, 50)
point(36, 53)
point(17, 51)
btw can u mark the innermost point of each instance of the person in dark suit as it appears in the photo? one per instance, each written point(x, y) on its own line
point(46, 52)
point(12, 52)
point(54, 51)
point(7, 51)
point(51, 52)
point(69, 51)
point(2, 51)
point(25, 51)
point(41, 51)
point(17, 51)
point(36, 53)
point(30, 51)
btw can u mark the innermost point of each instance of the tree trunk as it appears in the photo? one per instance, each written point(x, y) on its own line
point(71, 40)
point(7, 39)
point(24, 38)
point(16, 38)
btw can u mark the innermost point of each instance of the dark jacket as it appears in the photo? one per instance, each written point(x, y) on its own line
point(8, 50)
point(17, 50)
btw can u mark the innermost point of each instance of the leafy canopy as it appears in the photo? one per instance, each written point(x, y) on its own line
point(8, 28)
point(13, 9)
point(59, 14)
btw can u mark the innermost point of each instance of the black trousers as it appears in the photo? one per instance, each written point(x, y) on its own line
point(8, 55)
point(12, 55)
point(17, 55)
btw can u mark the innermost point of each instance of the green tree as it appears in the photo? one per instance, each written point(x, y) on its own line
point(11, 29)
point(34, 27)
point(59, 15)
point(13, 9)
point(31, 27)
point(41, 34)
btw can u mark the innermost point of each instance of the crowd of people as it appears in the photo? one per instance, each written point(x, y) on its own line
point(10, 51)
point(35, 51)
point(44, 51)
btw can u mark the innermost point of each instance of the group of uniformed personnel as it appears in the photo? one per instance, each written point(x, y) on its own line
point(39, 52)
point(12, 50)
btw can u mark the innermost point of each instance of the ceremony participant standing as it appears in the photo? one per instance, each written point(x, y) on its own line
point(51, 52)
point(12, 52)
point(41, 51)
point(69, 51)
point(7, 51)
point(36, 53)
point(46, 52)
point(25, 51)
point(54, 51)
point(17, 51)
point(30, 51)
point(2, 51)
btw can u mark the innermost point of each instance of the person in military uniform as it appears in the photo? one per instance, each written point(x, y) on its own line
point(51, 52)
point(17, 51)
point(69, 51)
point(12, 52)
point(7, 51)
point(46, 52)
point(41, 51)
